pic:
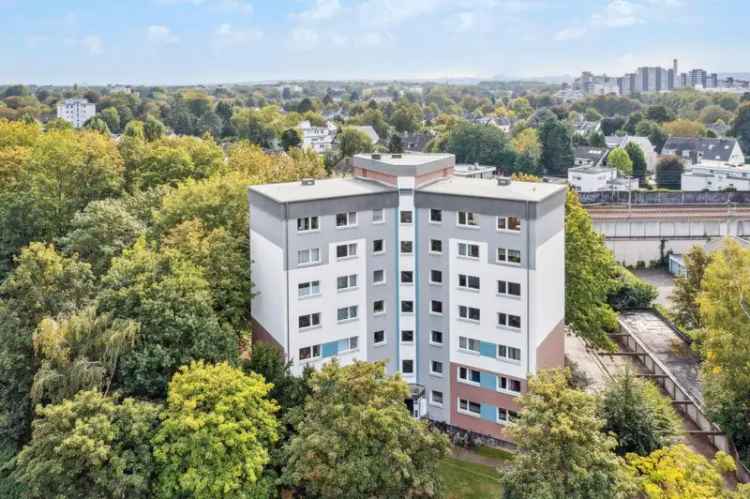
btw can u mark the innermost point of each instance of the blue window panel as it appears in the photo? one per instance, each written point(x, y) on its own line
point(343, 345)
point(329, 349)
point(487, 349)
point(487, 380)
point(488, 412)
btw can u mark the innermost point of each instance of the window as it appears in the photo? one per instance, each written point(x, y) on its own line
point(348, 219)
point(407, 277)
point(306, 289)
point(309, 353)
point(378, 216)
point(508, 320)
point(407, 336)
point(508, 385)
point(407, 217)
point(378, 276)
point(407, 366)
point(436, 277)
point(436, 246)
point(508, 256)
point(407, 247)
point(436, 398)
point(468, 282)
point(469, 375)
point(468, 313)
point(308, 224)
point(468, 344)
point(308, 256)
point(346, 282)
point(347, 313)
point(378, 307)
point(509, 353)
point(436, 307)
point(468, 250)
point(436, 337)
point(350, 344)
point(378, 246)
point(436, 368)
point(469, 407)
point(505, 416)
point(346, 250)
point(309, 320)
point(508, 288)
point(436, 216)
point(378, 337)
point(407, 306)
point(468, 219)
point(509, 224)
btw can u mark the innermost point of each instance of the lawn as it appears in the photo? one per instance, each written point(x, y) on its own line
point(468, 480)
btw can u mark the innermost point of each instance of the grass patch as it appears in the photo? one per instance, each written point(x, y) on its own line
point(493, 453)
point(468, 480)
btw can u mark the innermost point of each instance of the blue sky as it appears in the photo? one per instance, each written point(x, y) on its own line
point(205, 41)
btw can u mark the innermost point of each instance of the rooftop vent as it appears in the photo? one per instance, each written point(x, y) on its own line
point(503, 180)
point(308, 181)
point(375, 156)
point(396, 156)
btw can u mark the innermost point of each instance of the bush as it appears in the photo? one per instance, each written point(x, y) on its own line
point(631, 292)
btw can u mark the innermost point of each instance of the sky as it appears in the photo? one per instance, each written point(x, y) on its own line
point(231, 41)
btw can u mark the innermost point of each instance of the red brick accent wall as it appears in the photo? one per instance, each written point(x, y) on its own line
point(429, 177)
point(259, 333)
point(482, 396)
point(550, 354)
point(380, 177)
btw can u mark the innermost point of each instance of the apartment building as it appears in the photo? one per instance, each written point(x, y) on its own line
point(76, 111)
point(456, 283)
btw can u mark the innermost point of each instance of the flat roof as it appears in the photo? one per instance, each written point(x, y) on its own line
point(406, 158)
point(590, 169)
point(290, 192)
point(489, 188)
point(410, 164)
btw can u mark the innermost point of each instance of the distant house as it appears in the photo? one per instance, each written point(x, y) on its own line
point(705, 151)
point(318, 138)
point(719, 128)
point(677, 266)
point(710, 177)
point(76, 111)
point(416, 142)
point(369, 131)
point(598, 179)
point(502, 123)
point(589, 156)
point(586, 128)
point(649, 151)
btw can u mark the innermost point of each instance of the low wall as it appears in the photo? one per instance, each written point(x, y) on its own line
point(665, 198)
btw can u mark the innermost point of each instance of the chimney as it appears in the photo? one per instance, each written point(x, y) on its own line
point(503, 181)
point(308, 181)
point(375, 156)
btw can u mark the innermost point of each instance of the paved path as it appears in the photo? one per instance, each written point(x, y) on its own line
point(662, 280)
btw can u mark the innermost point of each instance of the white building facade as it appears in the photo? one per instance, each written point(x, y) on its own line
point(709, 177)
point(599, 178)
point(456, 283)
point(318, 138)
point(76, 111)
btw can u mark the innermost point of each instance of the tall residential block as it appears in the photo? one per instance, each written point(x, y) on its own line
point(456, 283)
point(76, 111)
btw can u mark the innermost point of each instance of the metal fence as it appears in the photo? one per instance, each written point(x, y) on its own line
point(665, 198)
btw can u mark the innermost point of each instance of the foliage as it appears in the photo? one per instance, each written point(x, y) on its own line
point(635, 153)
point(589, 276)
point(90, 446)
point(290, 138)
point(669, 173)
point(620, 160)
point(268, 361)
point(741, 127)
point(725, 311)
point(653, 131)
point(610, 126)
point(486, 145)
point(172, 300)
point(353, 141)
point(639, 416)
point(688, 287)
point(630, 292)
point(677, 472)
point(557, 148)
point(215, 435)
point(355, 438)
point(684, 128)
point(562, 449)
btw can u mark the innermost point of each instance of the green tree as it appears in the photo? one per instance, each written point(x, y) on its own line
point(217, 429)
point(557, 148)
point(589, 271)
point(352, 142)
point(101, 232)
point(611, 125)
point(486, 145)
point(395, 145)
point(653, 131)
point(684, 128)
point(669, 173)
point(659, 114)
point(406, 118)
point(635, 153)
point(153, 129)
point(687, 288)
point(90, 446)
point(640, 417)
point(712, 114)
point(355, 438)
point(620, 160)
point(288, 390)
point(172, 300)
point(98, 125)
point(563, 451)
point(741, 127)
point(725, 311)
point(112, 118)
point(210, 123)
point(253, 126)
point(290, 138)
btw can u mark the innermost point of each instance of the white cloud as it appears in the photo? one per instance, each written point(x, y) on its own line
point(339, 40)
point(233, 5)
point(619, 13)
point(227, 35)
point(372, 39)
point(304, 38)
point(572, 33)
point(463, 22)
point(391, 12)
point(161, 34)
point(321, 11)
point(92, 43)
